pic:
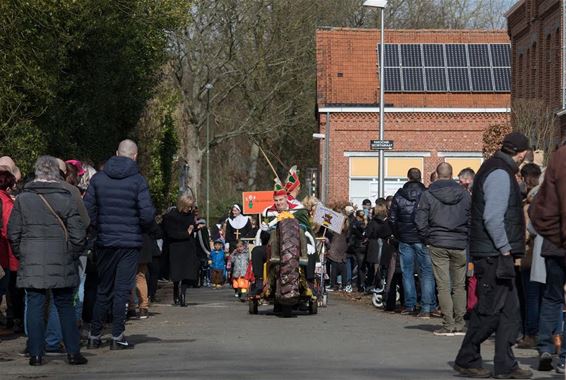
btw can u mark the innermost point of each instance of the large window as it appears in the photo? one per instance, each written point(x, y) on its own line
point(395, 167)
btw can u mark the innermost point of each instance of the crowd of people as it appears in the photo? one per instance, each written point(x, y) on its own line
point(467, 251)
point(484, 253)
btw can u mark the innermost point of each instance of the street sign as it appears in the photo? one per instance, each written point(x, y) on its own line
point(381, 144)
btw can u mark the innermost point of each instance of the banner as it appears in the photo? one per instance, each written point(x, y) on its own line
point(255, 202)
point(330, 219)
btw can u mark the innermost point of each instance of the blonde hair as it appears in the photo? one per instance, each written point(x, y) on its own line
point(185, 203)
point(310, 202)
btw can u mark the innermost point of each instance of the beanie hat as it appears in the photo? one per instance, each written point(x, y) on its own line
point(515, 142)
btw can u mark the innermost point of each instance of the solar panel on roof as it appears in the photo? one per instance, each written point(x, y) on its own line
point(392, 79)
point(479, 55)
point(501, 55)
point(458, 79)
point(413, 79)
point(435, 79)
point(447, 67)
point(411, 55)
point(433, 55)
point(391, 55)
point(481, 79)
point(456, 55)
point(502, 76)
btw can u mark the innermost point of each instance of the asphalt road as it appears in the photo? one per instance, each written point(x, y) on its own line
point(216, 338)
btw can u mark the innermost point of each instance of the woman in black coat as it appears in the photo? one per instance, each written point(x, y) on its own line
point(378, 232)
point(47, 236)
point(178, 227)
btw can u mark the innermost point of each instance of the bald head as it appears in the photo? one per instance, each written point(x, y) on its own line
point(444, 171)
point(127, 148)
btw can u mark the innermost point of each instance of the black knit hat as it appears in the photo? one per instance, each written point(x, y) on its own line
point(515, 142)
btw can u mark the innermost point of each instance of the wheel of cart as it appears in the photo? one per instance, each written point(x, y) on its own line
point(313, 306)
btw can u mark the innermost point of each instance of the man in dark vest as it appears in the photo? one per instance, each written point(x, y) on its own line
point(497, 237)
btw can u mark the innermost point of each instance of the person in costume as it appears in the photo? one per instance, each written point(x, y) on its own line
point(237, 227)
point(285, 201)
point(293, 186)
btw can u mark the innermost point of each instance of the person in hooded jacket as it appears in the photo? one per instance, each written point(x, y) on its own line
point(443, 222)
point(119, 205)
point(402, 215)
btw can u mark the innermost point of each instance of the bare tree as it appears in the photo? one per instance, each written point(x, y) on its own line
point(536, 120)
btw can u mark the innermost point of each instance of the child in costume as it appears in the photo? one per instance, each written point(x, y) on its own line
point(217, 264)
point(240, 260)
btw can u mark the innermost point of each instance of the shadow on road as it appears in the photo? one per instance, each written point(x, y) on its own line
point(429, 328)
point(140, 339)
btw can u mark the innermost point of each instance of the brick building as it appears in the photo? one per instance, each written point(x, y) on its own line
point(442, 89)
point(537, 51)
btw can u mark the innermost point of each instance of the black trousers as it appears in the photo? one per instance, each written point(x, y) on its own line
point(153, 276)
point(497, 311)
point(117, 268)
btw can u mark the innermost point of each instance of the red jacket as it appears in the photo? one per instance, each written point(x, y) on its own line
point(7, 258)
point(548, 210)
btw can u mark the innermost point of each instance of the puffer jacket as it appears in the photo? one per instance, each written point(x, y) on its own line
point(119, 204)
point(443, 215)
point(403, 209)
point(47, 261)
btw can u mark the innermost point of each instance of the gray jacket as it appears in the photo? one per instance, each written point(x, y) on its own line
point(443, 215)
point(47, 259)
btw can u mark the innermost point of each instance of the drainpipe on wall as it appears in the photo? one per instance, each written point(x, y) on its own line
point(325, 169)
point(563, 54)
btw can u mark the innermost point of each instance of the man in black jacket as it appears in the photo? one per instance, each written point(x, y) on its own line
point(119, 205)
point(442, 219)
point(402, 214)
point(497, 235)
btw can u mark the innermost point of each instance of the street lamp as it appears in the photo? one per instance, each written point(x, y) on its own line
point(324, 188)
point(208, 88)
point(381, 4)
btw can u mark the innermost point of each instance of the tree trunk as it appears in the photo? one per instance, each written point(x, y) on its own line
point(190, 151)
point(252, 172)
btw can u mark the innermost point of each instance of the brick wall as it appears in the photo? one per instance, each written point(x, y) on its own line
point(421, 132)
point(536, 45)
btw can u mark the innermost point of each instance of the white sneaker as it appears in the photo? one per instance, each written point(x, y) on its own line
point(348, 288)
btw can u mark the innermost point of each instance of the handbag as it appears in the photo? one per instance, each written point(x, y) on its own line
point(59, 220)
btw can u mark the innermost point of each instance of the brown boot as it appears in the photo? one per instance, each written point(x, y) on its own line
point(528, 342)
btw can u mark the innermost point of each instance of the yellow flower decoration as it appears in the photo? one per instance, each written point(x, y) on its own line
point(285, 215)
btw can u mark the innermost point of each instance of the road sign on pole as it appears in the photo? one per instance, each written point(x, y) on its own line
point(381, 144)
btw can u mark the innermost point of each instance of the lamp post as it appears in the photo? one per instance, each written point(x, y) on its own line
point(208, 88)
point(324, 181)
point(381, 4)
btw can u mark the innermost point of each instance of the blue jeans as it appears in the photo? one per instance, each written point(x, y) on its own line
point(350, 262)
point(408, 254)
point(534, 292)
point(550, 321)
point(63, 300)
point(53, 334)
point(80, 293)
